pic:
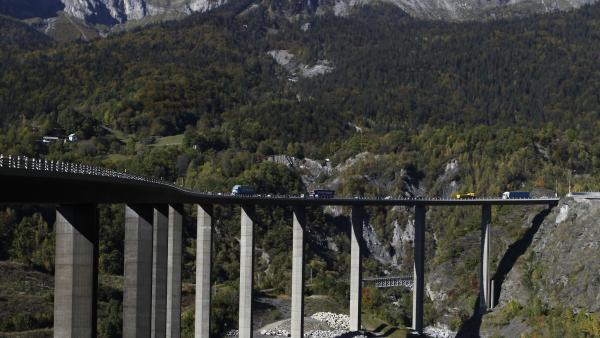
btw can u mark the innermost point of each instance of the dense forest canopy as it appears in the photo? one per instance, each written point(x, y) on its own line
point(391, 71)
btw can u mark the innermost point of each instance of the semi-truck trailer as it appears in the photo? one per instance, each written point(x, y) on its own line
point(243, 190)
point(515, 194)
point(322, 193)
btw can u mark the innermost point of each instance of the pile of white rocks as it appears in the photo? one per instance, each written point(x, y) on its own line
point(440, 331)
point(339, 325)
point(335, 320)
point(324, 333)
point(278, 332)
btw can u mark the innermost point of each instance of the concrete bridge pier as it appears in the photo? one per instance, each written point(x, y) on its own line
point(356, 244)
point(160, 232)
point(137, 286)
point(419, 269)
point(173, 320)
point(203, 270)
point(298, 226)
point(246, 271)
point(484, 275)
point(76, 271)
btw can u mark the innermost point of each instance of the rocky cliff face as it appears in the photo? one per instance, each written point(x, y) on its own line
point(465, 10)
point(120, 11)
point(388, 239)
point(558, 268)
point(111, 12)
point(563, 263)
point(450, 9)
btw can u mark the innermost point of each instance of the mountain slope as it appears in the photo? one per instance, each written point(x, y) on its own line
point(103, 14)
point(474, 10)
point(15, 34)
point(509, 73)
point(112, 12)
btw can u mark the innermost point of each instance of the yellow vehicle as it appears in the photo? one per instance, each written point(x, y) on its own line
point(464, 196)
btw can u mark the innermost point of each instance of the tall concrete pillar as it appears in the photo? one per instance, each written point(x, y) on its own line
point(484, 275)
point(160, 232)
point(246, 270)
point(419, 269)
point(298, 226)
point(137, 288)
point(174, 272)
point(357, 221)
point(203, 270)
point(76, 271)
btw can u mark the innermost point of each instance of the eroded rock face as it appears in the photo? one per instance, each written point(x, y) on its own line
point(566, 256)
point(562, 269)
point(113, 12)
point(119, 11)
point(466, 9)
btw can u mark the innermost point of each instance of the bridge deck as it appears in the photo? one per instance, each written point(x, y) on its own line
point(85, 185)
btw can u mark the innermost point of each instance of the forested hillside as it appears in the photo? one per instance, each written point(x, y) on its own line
point(390, 71)
point(404, 107)
point(17, 35)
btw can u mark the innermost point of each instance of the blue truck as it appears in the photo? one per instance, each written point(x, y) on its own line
point(322, 193)
point(507, 195)
point(243, 190)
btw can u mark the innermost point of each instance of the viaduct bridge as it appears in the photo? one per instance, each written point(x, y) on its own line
point(153, 235)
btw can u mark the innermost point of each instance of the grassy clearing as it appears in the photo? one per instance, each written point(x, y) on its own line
point(116, 158)
point(173, 140)
point(122, 136)
point(381, 328)
point(321, 303)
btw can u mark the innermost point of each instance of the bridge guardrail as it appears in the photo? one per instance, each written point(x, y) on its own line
point(30, 163)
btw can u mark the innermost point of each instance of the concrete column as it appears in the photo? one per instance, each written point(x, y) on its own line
point(160, 232)
point(357, 220)
point(246, 270)
point(76, 271)
point(419, 269)
point(203, 270)
point(137, 288)
point(299, 224)
point(174, 272)
point(484, 282)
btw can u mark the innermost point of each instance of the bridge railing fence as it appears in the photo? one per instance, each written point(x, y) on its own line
point(64, 167)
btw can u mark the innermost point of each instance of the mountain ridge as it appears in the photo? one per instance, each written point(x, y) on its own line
point(106, 16)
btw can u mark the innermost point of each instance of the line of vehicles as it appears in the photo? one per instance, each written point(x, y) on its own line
point(245, 190)
point(507, 195)
point(241, 190)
